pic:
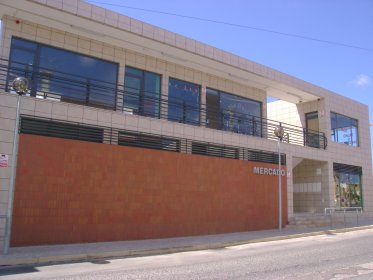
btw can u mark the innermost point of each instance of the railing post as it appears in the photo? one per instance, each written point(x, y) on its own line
point(221, 124)
point(325, 140)
point(304, 137)
point(88, 91)
point(141, 103)
point(344, 217)
point(357, 217)
point(184, 112)
point(254, 126)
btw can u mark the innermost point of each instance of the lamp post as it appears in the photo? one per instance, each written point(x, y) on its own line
point(279, 133)
point(20, 85)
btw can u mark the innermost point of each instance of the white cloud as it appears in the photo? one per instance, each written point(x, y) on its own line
point(362, 80)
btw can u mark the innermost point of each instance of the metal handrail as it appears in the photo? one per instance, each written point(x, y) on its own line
point(342, 209)
point(59, 86)
point(331, 210)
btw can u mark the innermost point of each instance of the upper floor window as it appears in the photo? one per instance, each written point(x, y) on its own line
point(312, 137)
point(142, 90)
point(344, 130)
point(64, 75)
point(183, 102)
point(233, 113)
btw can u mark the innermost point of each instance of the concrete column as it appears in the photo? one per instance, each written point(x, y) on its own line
point(8, 104)
point(289, 182)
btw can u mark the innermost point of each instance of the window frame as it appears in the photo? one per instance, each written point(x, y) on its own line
point(184, 120)
point(220, 122)
point(140, 109)
point(35, 76)
point(345, 170)
point(312, 137)
point(334, 132)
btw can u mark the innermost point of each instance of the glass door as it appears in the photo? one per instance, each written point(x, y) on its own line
point(312, 136)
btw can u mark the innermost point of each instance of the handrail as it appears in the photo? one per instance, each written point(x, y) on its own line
point(342, 209)
point(331, 210)
point(59, 86)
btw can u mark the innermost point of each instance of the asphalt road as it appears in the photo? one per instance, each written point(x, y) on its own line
point(337, 256)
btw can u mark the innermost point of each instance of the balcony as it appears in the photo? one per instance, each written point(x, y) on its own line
point(64, 87)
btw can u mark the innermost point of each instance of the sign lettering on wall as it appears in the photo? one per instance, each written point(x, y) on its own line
point(268, 171)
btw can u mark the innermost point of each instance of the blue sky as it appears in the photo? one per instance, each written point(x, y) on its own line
point(347, 71)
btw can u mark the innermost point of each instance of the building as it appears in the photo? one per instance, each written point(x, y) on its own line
point(129, 131)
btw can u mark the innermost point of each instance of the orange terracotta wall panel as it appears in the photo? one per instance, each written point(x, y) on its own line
point(72, 191)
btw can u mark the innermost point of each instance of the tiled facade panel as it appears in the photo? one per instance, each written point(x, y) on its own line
point(71, 191)
point(311, 189)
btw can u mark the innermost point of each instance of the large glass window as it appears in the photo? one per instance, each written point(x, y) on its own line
point(344, 130)
point(142, 92)
point(348, 190)
point(234, 113)
point(183, 102)
point(63, 75)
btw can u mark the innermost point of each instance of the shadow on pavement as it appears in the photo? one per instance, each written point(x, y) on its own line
point(17, 270)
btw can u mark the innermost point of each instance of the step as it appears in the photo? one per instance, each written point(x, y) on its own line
point(311, 221)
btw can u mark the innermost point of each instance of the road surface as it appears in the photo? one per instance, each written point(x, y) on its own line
point(335, 256)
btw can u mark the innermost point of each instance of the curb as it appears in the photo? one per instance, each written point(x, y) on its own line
point(148, 252)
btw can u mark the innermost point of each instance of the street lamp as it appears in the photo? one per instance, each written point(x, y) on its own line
point(279, 133)
point(20, 85)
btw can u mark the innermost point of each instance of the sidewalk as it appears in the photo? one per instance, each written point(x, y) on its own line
point(90, 251)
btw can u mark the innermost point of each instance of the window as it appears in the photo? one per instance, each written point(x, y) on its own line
point(344, 130)
point(183, 102)
point(348, 189)
point(208, 149)
point(226, 111)
point(61, 130)
point(262, 156)
point(312, 137)
point(142, 91)
point(148, 141)
point(63, 75)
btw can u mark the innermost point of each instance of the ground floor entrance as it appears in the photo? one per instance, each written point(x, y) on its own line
point(318, 185)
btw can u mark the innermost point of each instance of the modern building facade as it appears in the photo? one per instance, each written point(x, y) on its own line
point(129, 131)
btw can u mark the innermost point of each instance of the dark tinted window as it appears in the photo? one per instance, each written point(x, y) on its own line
point(183, 102)
point(142, 92)
point(233, 113)
point(61, 130)
point(63, 75)
point(148, 141)
point(200, 148)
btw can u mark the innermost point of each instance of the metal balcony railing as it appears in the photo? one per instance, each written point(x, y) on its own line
point(59, 86)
